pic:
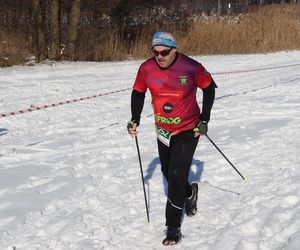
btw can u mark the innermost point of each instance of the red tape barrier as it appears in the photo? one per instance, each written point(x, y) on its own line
point(254, 70)
point(60, 103)
point(122, 90)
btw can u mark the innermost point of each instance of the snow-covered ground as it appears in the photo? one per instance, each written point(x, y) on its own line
point(70, 177)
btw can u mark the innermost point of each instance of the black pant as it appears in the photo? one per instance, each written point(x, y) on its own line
point(176, 162)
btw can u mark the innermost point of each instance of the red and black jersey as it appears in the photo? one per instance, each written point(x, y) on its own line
point(173, 91)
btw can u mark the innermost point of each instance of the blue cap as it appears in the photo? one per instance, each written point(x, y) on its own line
point(164, 38)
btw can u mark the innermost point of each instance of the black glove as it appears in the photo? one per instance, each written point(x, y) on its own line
point(201, 127)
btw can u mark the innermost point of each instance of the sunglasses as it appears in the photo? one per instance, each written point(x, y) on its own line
point(163, 53)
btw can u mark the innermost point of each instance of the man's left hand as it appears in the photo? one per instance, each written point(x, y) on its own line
point(201, 128)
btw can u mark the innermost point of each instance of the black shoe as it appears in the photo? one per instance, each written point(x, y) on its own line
point(191, 202)
point(174, 236)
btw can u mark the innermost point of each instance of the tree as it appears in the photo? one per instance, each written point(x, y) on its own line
point(73, 29)
point(54, 39)
point(39, 31)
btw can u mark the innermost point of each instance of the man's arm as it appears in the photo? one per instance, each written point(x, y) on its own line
point(137, 104)
point(208, 101)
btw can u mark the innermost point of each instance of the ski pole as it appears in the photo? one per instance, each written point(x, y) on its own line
point(141, 168)
point(245, 180)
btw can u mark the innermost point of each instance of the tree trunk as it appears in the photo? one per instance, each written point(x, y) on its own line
point(72, 29)
point(29, 28)
point(39, 34)
point(54, 39)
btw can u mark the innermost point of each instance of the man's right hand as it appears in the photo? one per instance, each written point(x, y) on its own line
point(131, 128)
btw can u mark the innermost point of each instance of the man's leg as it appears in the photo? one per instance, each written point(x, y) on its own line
point(164, 153)
point(182, 150)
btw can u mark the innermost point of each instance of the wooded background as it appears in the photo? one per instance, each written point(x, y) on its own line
point(106, 30)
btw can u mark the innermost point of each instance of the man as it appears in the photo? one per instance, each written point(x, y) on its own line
point(173, 79)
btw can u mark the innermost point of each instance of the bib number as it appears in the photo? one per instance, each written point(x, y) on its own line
point(163, 135)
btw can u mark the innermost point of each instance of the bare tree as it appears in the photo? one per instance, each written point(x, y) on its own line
point(39, 34)
point(73, 29)
point(54, 39)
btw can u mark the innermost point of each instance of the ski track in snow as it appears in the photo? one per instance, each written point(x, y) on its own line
point(70, 179)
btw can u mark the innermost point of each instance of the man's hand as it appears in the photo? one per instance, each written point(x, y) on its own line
point(200, 129)
point(131, 128)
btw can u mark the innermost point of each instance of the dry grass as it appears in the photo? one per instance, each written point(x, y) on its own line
point(109, 46)
point(100, 47)
point(14, 49)
point(271, 28)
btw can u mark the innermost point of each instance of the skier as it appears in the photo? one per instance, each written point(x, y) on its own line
point(173, 79)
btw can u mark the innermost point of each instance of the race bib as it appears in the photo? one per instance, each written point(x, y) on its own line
point(163, 135)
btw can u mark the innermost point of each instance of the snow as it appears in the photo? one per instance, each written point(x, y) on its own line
point(70, 177)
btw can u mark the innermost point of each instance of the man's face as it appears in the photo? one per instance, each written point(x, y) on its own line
point(164, 55)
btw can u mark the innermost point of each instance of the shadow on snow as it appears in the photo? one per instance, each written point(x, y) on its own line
point(3, 131)
point(194, 175)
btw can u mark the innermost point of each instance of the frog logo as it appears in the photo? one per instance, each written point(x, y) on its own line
point(168, 120)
